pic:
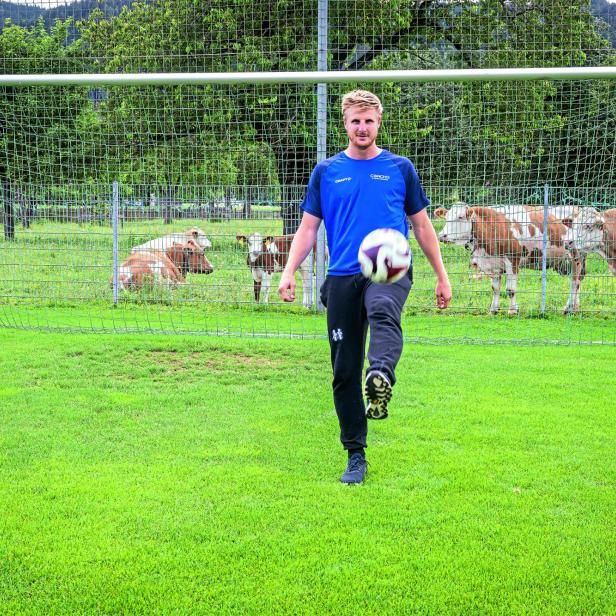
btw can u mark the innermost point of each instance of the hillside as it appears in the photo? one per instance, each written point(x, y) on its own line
point(607, 12)
point(26, 15)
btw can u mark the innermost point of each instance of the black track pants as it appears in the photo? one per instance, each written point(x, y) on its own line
point(354, 304)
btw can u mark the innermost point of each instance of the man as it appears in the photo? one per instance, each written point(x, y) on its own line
point(354, 192)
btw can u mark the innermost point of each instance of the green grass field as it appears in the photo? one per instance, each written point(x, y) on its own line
point(199, 475)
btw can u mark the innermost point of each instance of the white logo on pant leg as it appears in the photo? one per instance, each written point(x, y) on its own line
point(337, 335)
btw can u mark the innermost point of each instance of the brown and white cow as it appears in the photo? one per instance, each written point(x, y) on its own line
point(182, 237)
point(504, 239)
point(594, 231)
point(269, 254)
point(563, 213)
point(147, 268)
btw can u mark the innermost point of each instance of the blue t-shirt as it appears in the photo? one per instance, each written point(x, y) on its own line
point(355, 197)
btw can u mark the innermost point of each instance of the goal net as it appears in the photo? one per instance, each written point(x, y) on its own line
point(97, 166)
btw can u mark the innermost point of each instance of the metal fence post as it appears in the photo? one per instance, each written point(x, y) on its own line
point(544, 259)
point(321, 136)
point(9, 215)
point(115, 221)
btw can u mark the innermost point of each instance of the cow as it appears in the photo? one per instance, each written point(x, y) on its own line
point(146, 268)
point(593, 231)
point(504, 239)
point(162, 243)
point(189, 257)
point(267, 255)
point(563, 213)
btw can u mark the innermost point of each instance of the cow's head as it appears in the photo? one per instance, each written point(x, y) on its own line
point(256, 245)
point(190, 257)
point(458, 227)
point(565, 214)
point(198, 263)
point(270, 246)
point(586, 231)
point(567, 221)
point(198, 236)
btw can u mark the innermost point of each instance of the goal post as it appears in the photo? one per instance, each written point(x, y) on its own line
point(94, 165)
point(313, 77)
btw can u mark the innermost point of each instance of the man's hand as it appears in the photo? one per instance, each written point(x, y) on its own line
point(301, 246)
point(443, 294)
point(286, 288)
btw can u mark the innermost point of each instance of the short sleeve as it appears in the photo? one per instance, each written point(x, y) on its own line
point(312, 199)
point(415, 199)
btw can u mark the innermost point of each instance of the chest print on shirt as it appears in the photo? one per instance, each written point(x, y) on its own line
point(378, 176)
point(347, 179)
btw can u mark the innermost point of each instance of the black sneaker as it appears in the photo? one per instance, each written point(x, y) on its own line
point(356, 469)
point(378, 394)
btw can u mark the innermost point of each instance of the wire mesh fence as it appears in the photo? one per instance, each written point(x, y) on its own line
point(58, 271)
point(233, 160)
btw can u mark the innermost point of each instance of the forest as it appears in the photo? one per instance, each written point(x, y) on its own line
point(221, 141)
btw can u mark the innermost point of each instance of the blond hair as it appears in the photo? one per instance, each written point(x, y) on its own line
point(361, 99)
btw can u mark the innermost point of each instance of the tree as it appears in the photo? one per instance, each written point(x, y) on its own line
point(223, 136)
point(39, 127)
point(281, 35)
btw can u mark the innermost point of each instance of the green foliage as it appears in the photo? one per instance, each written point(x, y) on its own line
point(39, 127)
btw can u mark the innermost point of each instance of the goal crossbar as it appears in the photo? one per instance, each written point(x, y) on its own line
point(461, 75)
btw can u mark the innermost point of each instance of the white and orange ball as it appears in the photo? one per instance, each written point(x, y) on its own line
point(384, 256)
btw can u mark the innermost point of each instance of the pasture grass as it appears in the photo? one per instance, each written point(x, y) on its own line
point(185, 475)
point(70, 265)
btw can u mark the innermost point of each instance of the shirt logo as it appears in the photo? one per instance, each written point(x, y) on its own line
point(337, 335)
point(343, 180)
point(378, 176)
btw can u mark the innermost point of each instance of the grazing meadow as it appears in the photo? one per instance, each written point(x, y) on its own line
point(57, 276)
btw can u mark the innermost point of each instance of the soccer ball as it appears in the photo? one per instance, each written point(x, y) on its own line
point(384, 256)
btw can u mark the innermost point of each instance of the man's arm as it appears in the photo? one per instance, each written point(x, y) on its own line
point(428, 242)
point(300, 248)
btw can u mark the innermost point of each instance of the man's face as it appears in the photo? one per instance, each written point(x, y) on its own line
point(362, 126)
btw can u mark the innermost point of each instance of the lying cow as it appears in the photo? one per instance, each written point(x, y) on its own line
point(146, 268)
point(504, 239)
point(593, 231)
point(162, 243)
point(267, 255)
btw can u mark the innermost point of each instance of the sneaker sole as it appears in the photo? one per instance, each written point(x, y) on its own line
point(376, 414)
point(378, 395)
